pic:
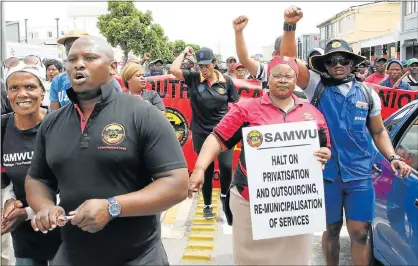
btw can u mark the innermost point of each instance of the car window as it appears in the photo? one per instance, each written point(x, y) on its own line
point(391, 124)
point(408, 146)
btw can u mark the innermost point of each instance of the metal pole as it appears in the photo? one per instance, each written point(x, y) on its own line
point(26, 30)
point(58, 34)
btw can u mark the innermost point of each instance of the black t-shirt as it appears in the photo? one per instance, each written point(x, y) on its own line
point(209, 102)
point(124, 143)
point(17, 153)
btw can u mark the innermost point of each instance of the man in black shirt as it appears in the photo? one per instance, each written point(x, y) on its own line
point(119, 166)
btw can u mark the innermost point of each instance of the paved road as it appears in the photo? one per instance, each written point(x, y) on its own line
point(176, 230)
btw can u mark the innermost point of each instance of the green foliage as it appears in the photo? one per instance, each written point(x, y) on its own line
point(134, 30)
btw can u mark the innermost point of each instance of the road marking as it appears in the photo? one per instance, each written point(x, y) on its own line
point(203, 228)
point(198, 257)
point(199, 237)
point(199, 246)
point(203, 233)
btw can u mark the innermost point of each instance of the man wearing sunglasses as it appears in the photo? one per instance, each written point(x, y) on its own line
point(352, 112)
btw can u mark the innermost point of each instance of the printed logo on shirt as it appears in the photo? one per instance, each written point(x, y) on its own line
point(113, 134)
point(221, 90)
point(254, 138)
point(17, 158)
point(179, 123)
point(359, 118)
point(307, 116)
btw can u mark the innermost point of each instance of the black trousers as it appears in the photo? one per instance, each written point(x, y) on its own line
point(225, 168)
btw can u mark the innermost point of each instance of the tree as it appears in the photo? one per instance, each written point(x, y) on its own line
point(179, 45)
point(133, 30)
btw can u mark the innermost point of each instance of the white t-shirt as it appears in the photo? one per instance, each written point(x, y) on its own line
point(314, 79)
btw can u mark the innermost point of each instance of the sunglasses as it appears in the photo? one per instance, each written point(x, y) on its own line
point(28, 60)
point(333, 61)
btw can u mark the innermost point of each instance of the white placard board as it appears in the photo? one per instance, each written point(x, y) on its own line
point(284, 179)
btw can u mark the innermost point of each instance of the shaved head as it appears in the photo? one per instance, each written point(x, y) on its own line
point(91, 64)
point(98, 44)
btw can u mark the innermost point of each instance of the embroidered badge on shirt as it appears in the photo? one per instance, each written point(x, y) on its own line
point(362, 105)
point(307, 116)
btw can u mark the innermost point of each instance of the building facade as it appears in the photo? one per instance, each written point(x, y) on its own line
point(408, 36)
point(306, 43)
point(371, 29)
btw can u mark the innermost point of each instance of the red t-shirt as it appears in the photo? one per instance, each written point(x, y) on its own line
point(375, 78)
point(258, 112)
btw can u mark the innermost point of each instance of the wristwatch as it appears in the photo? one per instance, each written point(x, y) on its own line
point(395, 157)
point(114, 208)
point(289, 27)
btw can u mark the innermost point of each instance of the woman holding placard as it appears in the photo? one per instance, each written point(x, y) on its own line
point(278, 106)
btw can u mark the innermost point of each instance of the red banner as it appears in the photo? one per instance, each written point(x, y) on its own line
point(392, 99)
point(176, 99)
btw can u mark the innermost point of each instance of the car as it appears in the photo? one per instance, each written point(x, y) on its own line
point(394, 231)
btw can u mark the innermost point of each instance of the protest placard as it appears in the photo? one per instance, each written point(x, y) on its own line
point(284, 179)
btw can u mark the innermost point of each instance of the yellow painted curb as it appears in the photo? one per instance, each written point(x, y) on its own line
point(198, 237)
point(196, 257)
point(203, 228)
point(199, 246)
point(214, 201)
point(203, 221)
point(216, 189)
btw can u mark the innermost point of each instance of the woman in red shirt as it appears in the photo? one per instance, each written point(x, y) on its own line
point(278, 106)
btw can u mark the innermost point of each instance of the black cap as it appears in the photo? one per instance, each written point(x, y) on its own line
point(205, 56)
point(377, 59)
point(334, 46)
point(156, 71)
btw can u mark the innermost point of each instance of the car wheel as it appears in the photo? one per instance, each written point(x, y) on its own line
point(373, 260)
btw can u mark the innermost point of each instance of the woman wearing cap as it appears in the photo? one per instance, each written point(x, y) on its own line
point(25, 92)
point(277, 106)
point(240, 71)
point(210, 93)
point(394, 69)
point(133, 77)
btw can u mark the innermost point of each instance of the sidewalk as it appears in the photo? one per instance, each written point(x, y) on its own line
point(191, 240)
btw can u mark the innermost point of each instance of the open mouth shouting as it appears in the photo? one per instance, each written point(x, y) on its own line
point(79, 77)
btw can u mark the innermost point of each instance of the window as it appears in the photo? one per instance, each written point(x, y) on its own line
point(408, 146)
point(391, 124)
point(35, 35)
point(62, 32)
point(411, 7)
point(328, 32)
point(322, 33)
point(31, 35)
point(49, 34)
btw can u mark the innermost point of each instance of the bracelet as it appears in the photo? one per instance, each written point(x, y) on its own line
point(289, 27)
point(395, 157)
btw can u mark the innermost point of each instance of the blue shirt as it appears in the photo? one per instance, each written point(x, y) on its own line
point(402, 86)
point(59, 86)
